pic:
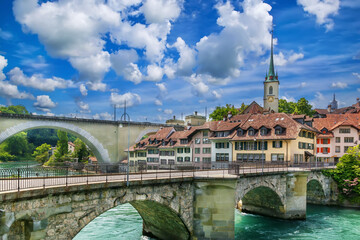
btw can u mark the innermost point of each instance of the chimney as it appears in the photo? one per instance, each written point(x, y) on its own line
point(229, 115)
point(195, 113)
point(174, 117)
point(358, 99)
point(329, 108)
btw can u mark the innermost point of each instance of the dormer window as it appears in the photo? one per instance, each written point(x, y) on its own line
point(163, 143)
point(183, 141)
point(240, 132)
point(251, 132)
point(279, 130)
point(263, 131)
point(324, 131)
point(172, 142)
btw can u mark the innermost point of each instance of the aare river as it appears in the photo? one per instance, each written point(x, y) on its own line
point(123, 222)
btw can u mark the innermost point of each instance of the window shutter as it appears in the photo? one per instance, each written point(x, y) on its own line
point(317, 150)
point(329, 141)
point(241, 146)
point(266, 146)
point(328, 150)
point(273, 144)
point(255, 146)
point(280, 144)
point(322, 141)
point(322, 150)
point(317, 141)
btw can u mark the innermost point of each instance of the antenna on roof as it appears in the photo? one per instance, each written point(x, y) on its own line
point(205, 113)
point(182, 115)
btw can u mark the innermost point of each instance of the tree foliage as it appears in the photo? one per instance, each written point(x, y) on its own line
point(14, 109)
point(41, 153)
point(220, 112)
point(62, 145)
point(5, 156)
point(242, 108)
point(347, 174)
point(81, 151)
point(302, 106)
point(17, 145)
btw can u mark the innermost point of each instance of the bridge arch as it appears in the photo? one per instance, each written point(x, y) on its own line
point(100, 152)
point(145, 132)
point(315, 192)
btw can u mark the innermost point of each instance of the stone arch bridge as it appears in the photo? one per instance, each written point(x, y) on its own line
point(191, 207)
point(107, 139)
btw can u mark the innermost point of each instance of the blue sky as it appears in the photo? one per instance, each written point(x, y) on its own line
point(174, 57)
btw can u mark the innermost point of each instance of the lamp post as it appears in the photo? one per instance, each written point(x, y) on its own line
point(123, 118)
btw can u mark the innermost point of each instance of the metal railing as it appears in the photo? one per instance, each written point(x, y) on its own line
point(29, 177)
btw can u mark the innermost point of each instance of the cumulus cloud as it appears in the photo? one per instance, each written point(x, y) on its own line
point(168, 111)
point(288, 99)
point(282, 60)
point(216, 94)
point(83, 89)
point(131, 99)
point(44, 103)
point(186, 61)
point(3, 64)
point(103, 116)
point(123, 62)
point(10, 91)
point(158, 11)
point(222, 54)
point(341, 85)
point(84, 107)
point(322, 9)
point(162, 87)
point(37, 81)
point(99, 86)
point(158, 102)
point(154, 73)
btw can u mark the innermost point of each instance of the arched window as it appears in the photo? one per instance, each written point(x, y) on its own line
point(270, 90)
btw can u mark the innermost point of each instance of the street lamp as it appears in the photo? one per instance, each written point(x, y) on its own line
point(123, 118)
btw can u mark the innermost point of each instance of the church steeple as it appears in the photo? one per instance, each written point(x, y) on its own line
point(271, 76)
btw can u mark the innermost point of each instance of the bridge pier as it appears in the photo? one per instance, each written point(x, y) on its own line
point(214, 215)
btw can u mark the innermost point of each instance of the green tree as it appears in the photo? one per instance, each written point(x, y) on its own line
point(17, 145)
point(62, 145)
point(347, 174)
point(81, 151)
point(41, 153)
point(220, 112)
point(14, 109)
point(302, 106)
point(242, 108)
point(5, 156)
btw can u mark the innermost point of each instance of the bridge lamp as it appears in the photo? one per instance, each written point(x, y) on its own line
point(126, 117)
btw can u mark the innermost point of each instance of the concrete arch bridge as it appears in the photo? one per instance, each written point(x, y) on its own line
point(107, 139)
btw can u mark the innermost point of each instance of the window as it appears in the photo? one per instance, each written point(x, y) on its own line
point(141, 154)
point(197, 150)
point(206, 141)
point(337, 149)
point(163, 161)
point(239, 157)
point(206, 150)
point(180, 159)
point(205, 133)
point(187, 150)
point(180, 150)
point(278, 130)
point(222, 145)
point(326, 141)
point(197, 140)
point(262, 145)
point(326, 150)
point(187, 159)
point(346, 148)
point(197, 159)
point(132, 154)
point(171, 162)
point(155, 160)
point(251, 132)
point(153, 151)
point(222, 157)
point(348, 139)
point(337, 139)
point(263, 131)
point(222, 134)
point(277, 157)
point(184, 141)
point(344, 130)
point(270, 90)
point(251, 146)
point(206, 160)
point(277, 144)
point(240, 132)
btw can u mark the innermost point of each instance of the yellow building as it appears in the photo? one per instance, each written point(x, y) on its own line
point(275, 137)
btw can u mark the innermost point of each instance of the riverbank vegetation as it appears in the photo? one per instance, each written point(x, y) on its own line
point(347, 175)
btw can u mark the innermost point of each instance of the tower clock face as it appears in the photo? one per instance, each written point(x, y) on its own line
point(271, 99)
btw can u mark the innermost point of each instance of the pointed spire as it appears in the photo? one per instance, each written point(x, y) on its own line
point(271, 67)
point(334, 97)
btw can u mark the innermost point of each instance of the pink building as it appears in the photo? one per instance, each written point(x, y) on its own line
point(338, 133)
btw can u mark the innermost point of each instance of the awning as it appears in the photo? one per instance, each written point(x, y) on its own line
point(307, 153)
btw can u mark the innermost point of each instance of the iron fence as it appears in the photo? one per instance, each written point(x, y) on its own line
point(66, 174)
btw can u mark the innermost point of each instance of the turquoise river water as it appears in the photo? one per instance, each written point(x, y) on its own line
point(123, 222)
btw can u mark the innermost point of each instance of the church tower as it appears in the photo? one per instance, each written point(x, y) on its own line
point(271, 85)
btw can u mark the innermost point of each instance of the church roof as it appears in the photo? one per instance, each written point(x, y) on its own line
point(271, 76)
point(253, 108)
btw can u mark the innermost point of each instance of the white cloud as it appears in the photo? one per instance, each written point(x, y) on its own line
point(83, 90)
point(123, 62)
point(49, 114)
point(37, 81)
point(288, 99)
point(71, 29)
point(216, 94)
point(36, 63)
point(200, 88)
point(158, 102)
point(356, 75)
point(158, 11)
point(154, 73)
point(322, 9)
point(131, 99)
point(222, 54)
point(5, 35)
point(358, 89)
point(168, 111)
point(303, 84)
point(9, 91)
point(341, 85)
point(44, 103)
point(97, 86)
point(85, 108)
point(282, 60)
point(186, 61)
point(162, 87)
point(103, 116)
point(3, 64)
